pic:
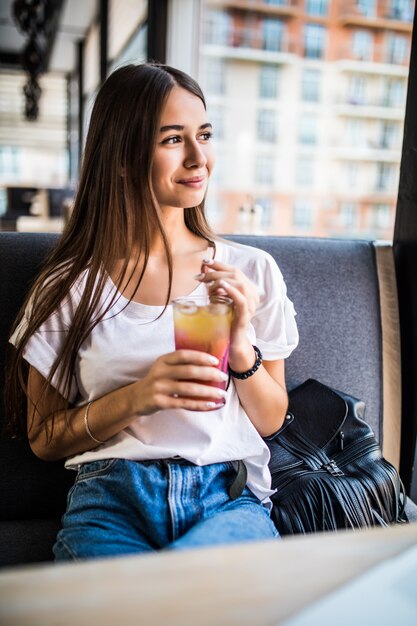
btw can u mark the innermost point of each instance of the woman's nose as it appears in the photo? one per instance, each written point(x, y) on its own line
point(195, 156)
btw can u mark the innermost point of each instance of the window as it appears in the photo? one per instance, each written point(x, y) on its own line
point(266, 206)
point(273, 35)
point(10, 162)
point(216, 116)
point(396, 49)
point(307, 131)
point(401, 10)
point(389, 135)
point(357, 90)
point(352, 176)
point(303, 214)
point(362, 45)
point(264, 169)
point(135, 50)
point(384, 177)
point(304, 175)
point(3, 201)
point(310, 85)
point(268, 81)
point(217, 28)
point(381, 217)
point(317, 7)
point(214, 208)
point(219, 172)
point(356, 133)
point(214, 76)
point(314, 41)
point(367, 7)
point(348, 216)
point(267, 125)
point(393, 93)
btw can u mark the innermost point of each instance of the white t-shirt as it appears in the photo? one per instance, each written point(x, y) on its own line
point(124, 345)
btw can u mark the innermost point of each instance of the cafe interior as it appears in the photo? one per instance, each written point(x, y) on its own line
point(355, 296)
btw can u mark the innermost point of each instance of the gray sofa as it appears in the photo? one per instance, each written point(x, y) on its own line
point(345, 298)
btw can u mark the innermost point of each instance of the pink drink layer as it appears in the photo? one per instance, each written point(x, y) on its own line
point(205, 328)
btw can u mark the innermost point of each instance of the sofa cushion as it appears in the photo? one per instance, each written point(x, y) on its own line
point(21, 256)
point(29, 487)
point(27, 541)
point(334, 287)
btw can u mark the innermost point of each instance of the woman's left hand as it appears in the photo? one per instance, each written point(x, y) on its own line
point(231, 281)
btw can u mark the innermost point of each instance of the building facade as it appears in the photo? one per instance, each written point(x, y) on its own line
point(307, 101)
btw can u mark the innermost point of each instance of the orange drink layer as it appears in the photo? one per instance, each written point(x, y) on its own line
point(204, 324)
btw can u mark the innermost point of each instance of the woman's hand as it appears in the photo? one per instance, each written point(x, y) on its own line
point(168, 384)
point(181, 379)
point(231, 281)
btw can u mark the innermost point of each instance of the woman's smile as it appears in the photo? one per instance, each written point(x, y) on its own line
point(195, 182)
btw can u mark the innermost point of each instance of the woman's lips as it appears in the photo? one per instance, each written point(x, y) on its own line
point(195, 182)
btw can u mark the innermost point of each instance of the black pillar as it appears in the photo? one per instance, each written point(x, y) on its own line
point(80, 72)
point(104, 28)
point(405, 250)
point(157, 30)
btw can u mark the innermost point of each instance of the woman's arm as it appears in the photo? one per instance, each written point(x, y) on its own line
point(167, 385)
point(263, 395)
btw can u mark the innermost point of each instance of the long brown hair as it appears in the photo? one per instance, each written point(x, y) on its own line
point(115, 212)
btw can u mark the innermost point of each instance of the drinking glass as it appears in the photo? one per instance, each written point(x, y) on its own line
point(203, 323)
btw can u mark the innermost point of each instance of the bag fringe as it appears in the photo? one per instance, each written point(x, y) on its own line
point(317, 501)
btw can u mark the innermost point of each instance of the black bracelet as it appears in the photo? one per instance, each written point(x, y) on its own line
point(253, 369)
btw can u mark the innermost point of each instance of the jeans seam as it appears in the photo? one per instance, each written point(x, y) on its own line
point(171, 503)
point(99, 472)
point(71, 552)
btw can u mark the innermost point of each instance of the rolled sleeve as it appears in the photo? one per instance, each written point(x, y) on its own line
point(42, 351)
point(274, 321)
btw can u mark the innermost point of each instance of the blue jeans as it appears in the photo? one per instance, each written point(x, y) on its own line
point(117, 507)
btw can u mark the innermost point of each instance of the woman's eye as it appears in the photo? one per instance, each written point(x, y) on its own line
point(206, 136)
point(171, 140)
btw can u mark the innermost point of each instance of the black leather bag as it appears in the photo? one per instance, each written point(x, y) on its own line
point(327, 466)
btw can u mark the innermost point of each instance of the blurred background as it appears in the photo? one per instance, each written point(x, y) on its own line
point(307, 100)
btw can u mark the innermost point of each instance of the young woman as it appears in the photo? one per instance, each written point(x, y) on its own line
point(159, 463)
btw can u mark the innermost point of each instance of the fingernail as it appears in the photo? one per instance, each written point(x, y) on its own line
point(214, 405)
point(199, 276)
point(214, 360)
point(208, 261)
point(224, 283)
point(224, 376)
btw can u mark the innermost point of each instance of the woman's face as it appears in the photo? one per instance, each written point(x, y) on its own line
point(183, 157)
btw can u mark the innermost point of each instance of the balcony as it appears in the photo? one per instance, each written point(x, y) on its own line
point(249, 44)
point(369, 109)
point(383, 59)
point(279, 8)
point(386, 15)
point(367, 154)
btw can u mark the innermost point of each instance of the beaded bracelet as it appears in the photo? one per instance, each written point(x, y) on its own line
point(253, 369)
point(87, 428)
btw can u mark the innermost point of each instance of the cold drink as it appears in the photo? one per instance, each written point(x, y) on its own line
point(204, 324)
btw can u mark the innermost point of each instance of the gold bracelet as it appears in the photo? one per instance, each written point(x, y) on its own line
point(87, 428)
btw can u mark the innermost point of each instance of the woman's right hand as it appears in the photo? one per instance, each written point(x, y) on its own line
point(171, 383)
